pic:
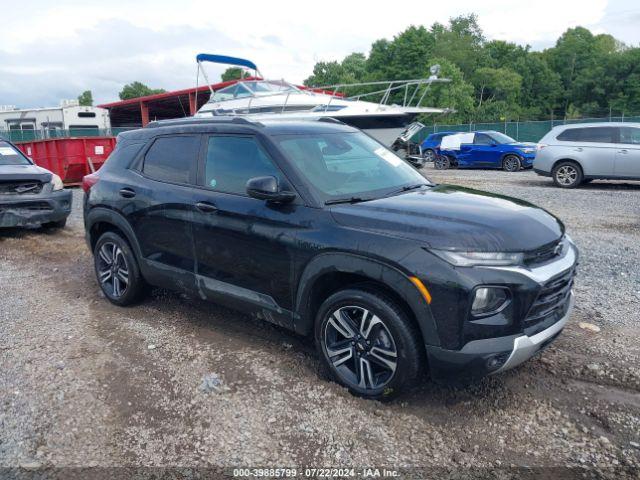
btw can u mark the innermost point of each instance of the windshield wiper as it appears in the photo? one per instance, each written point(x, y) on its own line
point(406, 188)
point(346, 200)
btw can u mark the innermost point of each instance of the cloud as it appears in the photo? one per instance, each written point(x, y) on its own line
point(74, 45)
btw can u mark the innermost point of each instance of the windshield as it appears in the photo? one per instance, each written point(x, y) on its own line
point(11, 156)
point(501, 138)
point(248, 89)
point(343, 165)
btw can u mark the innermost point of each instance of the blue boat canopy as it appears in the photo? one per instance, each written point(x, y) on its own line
point(241, 62)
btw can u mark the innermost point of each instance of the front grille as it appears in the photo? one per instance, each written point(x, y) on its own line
point(31, 206)
point(20, 187)
point(552, 300)
point(544, 253)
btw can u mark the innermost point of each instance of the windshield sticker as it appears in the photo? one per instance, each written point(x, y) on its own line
point(389, 157)
point(7, 151)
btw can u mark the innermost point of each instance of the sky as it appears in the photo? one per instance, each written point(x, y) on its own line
point(55, 50)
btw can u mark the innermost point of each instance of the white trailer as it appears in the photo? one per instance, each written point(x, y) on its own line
point(52, 121)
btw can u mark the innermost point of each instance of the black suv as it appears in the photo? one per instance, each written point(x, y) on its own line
point(317, 227)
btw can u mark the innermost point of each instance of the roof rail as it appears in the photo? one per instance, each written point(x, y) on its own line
point(330, 120)
point(200, 121)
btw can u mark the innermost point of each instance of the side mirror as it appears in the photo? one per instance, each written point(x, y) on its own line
point(267, 188)
point(494, 144)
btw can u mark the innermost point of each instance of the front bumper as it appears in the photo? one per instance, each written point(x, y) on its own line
point(486, 356)
point(542, 173)
point(33, 210)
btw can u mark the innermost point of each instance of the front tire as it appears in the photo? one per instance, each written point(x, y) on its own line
point(117, 270)
point(367, 343)
point(511, 163)
point(567, 175)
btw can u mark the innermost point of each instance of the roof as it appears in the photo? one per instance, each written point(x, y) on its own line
point(600, 124)
point(238, 125)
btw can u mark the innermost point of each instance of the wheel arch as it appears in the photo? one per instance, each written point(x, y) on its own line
point(330, 272)
point(567, 159)
point(100, 220)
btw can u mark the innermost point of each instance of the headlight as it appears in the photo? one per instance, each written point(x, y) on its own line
point(56, 182)
point(488, 300)
point(474, 259)
point(528, 150)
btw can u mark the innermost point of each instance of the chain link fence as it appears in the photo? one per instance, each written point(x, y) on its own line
point(18, 136)
point(530, 131)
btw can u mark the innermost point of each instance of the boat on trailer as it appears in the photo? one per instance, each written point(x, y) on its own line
point(258, 98)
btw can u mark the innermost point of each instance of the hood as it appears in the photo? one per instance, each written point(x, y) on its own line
point(448, 217)
point(523, 144)
point(24, 172)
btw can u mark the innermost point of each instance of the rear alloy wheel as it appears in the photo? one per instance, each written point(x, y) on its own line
point(117, 270)
point(511, 163)
point(367, 343)
point(567, 175)
point(429, 155)
point(441, 162)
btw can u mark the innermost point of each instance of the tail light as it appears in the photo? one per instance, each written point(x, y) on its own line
point(540, 146)
point(89, 181)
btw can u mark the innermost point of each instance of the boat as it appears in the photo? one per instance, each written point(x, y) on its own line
point(259, 98)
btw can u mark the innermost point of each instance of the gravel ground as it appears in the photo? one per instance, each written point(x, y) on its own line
point(176, 382)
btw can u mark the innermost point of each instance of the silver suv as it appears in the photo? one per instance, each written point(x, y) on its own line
point(578, 153)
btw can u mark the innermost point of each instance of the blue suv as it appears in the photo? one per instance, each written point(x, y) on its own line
point(431, 144)
point(490, 149)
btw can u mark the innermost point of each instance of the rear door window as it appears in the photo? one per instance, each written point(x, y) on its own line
point(630, 135)
point(589, 135)
point(173, 159)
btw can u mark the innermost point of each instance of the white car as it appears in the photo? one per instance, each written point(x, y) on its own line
point(577, 153)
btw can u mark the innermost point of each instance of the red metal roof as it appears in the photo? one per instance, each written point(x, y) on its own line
point(162, 96)
point(187, 91)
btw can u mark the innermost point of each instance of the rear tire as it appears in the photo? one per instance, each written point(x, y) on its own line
point(441, 162)
point(117, 270)
point(367, 343)
point(511, 163)
point(567, 175)
point(429, 155)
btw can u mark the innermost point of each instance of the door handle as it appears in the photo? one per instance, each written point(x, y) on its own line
point(127, 193)
point(624, 150)
point(579, 149)
point(206, 207)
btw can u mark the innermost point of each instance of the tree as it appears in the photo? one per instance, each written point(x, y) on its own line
point(86, 98)
point(234, 73)
point(457, 94)
point(583, 74)
point(138, 89)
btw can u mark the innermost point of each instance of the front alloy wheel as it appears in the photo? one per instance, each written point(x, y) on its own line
point(368, 343)
point(567, 175)
point(360, 348)
point(511, 163)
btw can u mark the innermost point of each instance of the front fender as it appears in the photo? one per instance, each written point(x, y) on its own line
point(390, 276)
